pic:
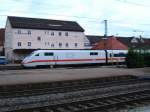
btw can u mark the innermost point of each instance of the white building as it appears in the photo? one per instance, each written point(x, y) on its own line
point(23, 35)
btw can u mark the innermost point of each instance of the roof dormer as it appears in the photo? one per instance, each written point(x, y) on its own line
point(134, 40)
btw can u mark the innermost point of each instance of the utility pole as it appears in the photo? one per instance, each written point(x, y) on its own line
point(105, 41)
point(105, 22)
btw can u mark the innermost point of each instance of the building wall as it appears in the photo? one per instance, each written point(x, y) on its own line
point(43, 39)
point(87, 44)
point(8, 41)
point(19, 39)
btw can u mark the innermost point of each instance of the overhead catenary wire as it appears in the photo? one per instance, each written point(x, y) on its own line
point(41, 3)
point(45, 13)
point(82, 18)
point(123, 1)
point(133, 3)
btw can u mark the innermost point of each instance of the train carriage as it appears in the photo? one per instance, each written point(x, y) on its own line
point(63, 57)
point(72, 57)
point(115, 56)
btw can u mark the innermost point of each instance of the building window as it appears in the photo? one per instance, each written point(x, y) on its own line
point(52, 45)
point(67, 45)
point(87, 44)
point(29, 43)
point(45, 43)
point(52, 33)
point(19, 31)
point(19, 43)
point(39, 38)
point(47, 32)
point(59, 33)
point(29, 32)
point(66, 33)
point(76, 44)
point(60, 44)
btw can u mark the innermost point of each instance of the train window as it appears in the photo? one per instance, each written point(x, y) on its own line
point(48, 54)
point(37, 54)
point(116, 55)
point(120, 55)
point(110, 55)
point(93, 53)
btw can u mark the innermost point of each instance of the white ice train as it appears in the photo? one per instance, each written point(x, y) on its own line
point(73, 57)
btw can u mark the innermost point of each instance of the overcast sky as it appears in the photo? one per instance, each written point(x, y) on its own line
point(125, 17)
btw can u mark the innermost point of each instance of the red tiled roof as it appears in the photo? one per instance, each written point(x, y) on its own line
point(110, 43)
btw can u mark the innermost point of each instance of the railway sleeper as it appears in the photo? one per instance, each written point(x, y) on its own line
point(49, 90)
point(98, 104)
point(89, 98)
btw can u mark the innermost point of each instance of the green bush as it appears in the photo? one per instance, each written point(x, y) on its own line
point(147, 59)
point(134, 59)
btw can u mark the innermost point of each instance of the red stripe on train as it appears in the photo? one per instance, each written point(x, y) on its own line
point(65, 60)
point(75, 60)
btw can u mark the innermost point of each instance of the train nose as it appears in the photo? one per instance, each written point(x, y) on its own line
point(24, 61)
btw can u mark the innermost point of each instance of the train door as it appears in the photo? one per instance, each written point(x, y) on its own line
point(110, 56)
point(55, 58)
point(106, 56)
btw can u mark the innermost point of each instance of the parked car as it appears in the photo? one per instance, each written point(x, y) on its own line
point(3, 60)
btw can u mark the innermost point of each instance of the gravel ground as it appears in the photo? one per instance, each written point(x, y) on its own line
point(8, 77)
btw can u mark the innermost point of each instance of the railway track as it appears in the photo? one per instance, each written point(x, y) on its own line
point(65, 86)
point(94, 104)
point(72, 96)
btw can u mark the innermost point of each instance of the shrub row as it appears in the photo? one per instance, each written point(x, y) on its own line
point(147, 59)
point(137, 59)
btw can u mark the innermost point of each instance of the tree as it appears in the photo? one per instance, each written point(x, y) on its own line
point(147, 59)
point(134, 59)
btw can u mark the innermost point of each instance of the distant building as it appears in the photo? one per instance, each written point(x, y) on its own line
point(93, 40)
point(134, 42)
point(2, 36)
point(97, 42)
point(23, 35)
